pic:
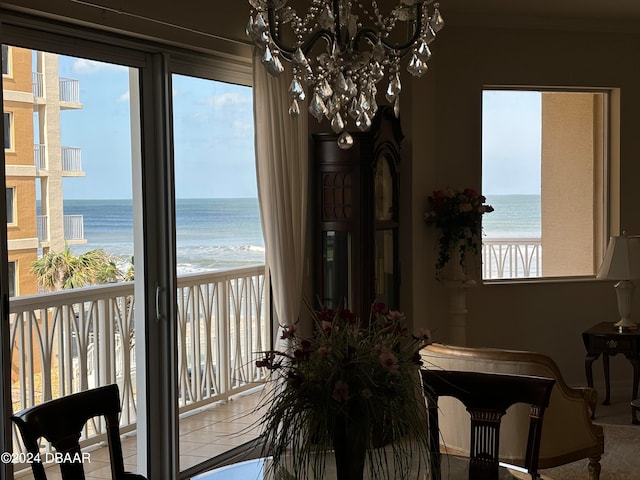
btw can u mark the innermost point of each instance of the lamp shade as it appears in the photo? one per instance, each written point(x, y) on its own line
point(622, 259)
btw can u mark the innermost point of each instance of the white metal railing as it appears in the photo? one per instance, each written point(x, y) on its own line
point(73, 227)
point(38, 85)
point(43, 228)
point(511, 258)
point(68, 341)
point(69, 90)
point(71, 159)
point(39, 158)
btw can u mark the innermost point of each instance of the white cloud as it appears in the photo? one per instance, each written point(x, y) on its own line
point(124, 98)
point(84, 66)
point(227, 99)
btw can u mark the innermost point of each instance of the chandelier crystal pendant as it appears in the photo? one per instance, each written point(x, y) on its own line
point(363, 46)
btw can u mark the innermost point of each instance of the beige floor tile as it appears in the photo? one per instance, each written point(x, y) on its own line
point(203, 434)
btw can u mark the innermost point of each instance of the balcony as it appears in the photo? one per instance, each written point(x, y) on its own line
point(71, 160)
point(69, 90)
point(73, 228)
point(63, 342)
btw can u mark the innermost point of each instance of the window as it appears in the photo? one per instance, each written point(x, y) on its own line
point(10, 207)
point(544, 170)
point(5, 60)
point(7, 131)
point(12, 279)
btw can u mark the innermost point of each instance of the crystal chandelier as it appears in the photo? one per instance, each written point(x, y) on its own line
point(363, 46)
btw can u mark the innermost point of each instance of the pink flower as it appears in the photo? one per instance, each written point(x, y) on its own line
point(425, 335)
point(379, 308)
point(389, 361)
point(395, 315)
point(289, 332)
point(326, 326)
point(340, 391)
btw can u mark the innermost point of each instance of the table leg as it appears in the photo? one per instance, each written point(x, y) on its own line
point(635, 362)
point(588, 368)
point(605, 364)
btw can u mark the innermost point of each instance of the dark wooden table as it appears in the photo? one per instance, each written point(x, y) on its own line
point(453, 468)
point(608, 340)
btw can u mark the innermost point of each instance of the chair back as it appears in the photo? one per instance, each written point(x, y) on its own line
point(61, 421)
point(486, 397)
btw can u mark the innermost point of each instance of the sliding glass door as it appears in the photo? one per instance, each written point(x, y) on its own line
point(221, 318)
point(120, 264)
point(85, 232)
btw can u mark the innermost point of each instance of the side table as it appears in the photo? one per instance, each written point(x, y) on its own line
point(608, 340)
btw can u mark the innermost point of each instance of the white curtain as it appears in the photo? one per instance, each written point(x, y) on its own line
point(281, 165)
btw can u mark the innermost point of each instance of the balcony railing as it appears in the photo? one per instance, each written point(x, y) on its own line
point(511, 258)
point(39, 157)
point(71, 159)
point(69, 88)
point(73, 227)
point(43, 228)
point(38, 85)
point(64, 342)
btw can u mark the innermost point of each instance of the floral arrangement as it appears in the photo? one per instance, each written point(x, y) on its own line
point(458, 215)
point(353, 377)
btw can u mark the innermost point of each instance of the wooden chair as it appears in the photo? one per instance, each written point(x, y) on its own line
point(486, 397)
point(61, 421)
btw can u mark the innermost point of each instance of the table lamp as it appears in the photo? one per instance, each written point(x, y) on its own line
point(622, 262)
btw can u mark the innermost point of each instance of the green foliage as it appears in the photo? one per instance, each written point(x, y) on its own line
point(64, 270)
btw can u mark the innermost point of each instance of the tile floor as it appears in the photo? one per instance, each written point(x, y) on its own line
point(204, 434)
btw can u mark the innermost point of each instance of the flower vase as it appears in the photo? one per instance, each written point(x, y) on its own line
point(455, 269)
point(350, 451)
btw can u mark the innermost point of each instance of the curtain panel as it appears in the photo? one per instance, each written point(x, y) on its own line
point(281, 145)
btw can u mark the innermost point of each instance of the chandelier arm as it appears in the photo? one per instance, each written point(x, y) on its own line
point(288, 52)
point(371, 35)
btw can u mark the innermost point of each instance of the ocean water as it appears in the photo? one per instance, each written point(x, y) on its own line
point(211, 234)
point(515, 216)
point(221, 233)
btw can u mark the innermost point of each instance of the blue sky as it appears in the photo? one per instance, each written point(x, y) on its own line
point(213, 130)
point(511, 145)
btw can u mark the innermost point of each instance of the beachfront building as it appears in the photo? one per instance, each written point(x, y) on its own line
point(36, 161)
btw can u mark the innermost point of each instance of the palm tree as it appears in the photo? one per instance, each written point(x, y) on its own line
point(64, 270)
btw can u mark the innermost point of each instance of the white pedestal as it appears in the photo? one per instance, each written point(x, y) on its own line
point(457, 290)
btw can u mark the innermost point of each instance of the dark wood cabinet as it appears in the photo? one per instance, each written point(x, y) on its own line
point(356, 233)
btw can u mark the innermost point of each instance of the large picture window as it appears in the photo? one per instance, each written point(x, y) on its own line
point(544, 163)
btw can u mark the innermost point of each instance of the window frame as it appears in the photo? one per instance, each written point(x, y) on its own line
point(12, 271)
point(6, 60)
point(11, 204)
point(7, 119)
point(604, 178)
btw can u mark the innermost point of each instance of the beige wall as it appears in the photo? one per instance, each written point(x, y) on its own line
point(570, 124)
point(441, 115)
point(545, 316)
